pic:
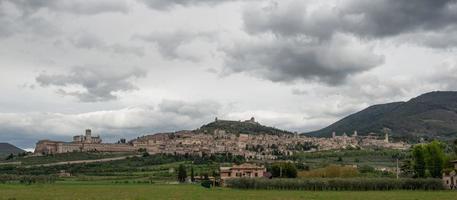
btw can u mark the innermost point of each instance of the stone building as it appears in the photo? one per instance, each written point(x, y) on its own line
point(87, 138)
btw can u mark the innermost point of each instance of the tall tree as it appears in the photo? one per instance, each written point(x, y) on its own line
point(434, 158)
point(429, 159)
point(182, 173)
point(418, 161)
point(192, 177)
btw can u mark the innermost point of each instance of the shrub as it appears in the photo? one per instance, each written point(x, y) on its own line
point(26, 179)
point(359, 184)
point(284, 170)
point(206, 183)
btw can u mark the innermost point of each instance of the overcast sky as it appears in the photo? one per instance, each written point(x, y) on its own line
point(129, 68)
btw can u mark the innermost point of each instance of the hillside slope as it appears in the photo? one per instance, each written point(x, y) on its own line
point(244, 127)
point(6, 149)
point(431, 115)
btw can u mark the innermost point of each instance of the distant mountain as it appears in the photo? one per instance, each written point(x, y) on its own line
point(244, 127)
point(431, 115)
point(6, 149)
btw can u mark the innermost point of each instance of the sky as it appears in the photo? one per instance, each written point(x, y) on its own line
point(127, 68)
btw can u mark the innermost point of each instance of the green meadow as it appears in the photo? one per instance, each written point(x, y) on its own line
point(186, 191)
point(67, 191)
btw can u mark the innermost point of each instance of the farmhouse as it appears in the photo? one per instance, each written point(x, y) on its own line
point(243, 170)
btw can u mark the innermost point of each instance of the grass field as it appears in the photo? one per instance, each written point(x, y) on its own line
point(66, 191)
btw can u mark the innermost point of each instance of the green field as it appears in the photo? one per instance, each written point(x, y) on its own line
point(62, 191)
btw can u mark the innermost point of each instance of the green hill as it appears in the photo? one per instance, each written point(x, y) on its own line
point(243, 127)
point(431, 115)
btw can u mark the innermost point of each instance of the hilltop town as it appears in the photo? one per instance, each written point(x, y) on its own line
point(253, 141)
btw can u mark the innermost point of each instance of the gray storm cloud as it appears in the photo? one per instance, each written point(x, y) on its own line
point(382, 18)
point(289, 59)
point(100, 83)
point(371, 19)
point(311, 42)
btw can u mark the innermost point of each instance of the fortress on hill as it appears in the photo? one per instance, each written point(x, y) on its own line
point(83, 143)
point(258, 145)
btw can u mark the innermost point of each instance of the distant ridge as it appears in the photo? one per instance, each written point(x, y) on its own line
point(431, 115)
point(7, 148)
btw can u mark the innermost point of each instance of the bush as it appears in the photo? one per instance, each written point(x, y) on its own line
point(207, 183)
point(359, 184)
point(284, 170)
point(27, 179)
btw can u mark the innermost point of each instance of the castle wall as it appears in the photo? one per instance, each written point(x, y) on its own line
point(46, 147)
point(109, 147)
point(68, 147)
point(78, 145)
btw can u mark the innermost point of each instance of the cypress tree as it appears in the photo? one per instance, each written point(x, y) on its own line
point(192, 178)
point(182, 174)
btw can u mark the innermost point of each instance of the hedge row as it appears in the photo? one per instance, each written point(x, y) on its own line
point(360, 184)
point(26, 179)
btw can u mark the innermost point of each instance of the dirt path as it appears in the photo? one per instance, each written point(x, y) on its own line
point(10, 163)
point(82, 161)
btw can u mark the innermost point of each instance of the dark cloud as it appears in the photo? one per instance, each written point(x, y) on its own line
point(310, 41)
point(381, 18)
point(99, 83)
point(372, 19)
point(286, 60)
